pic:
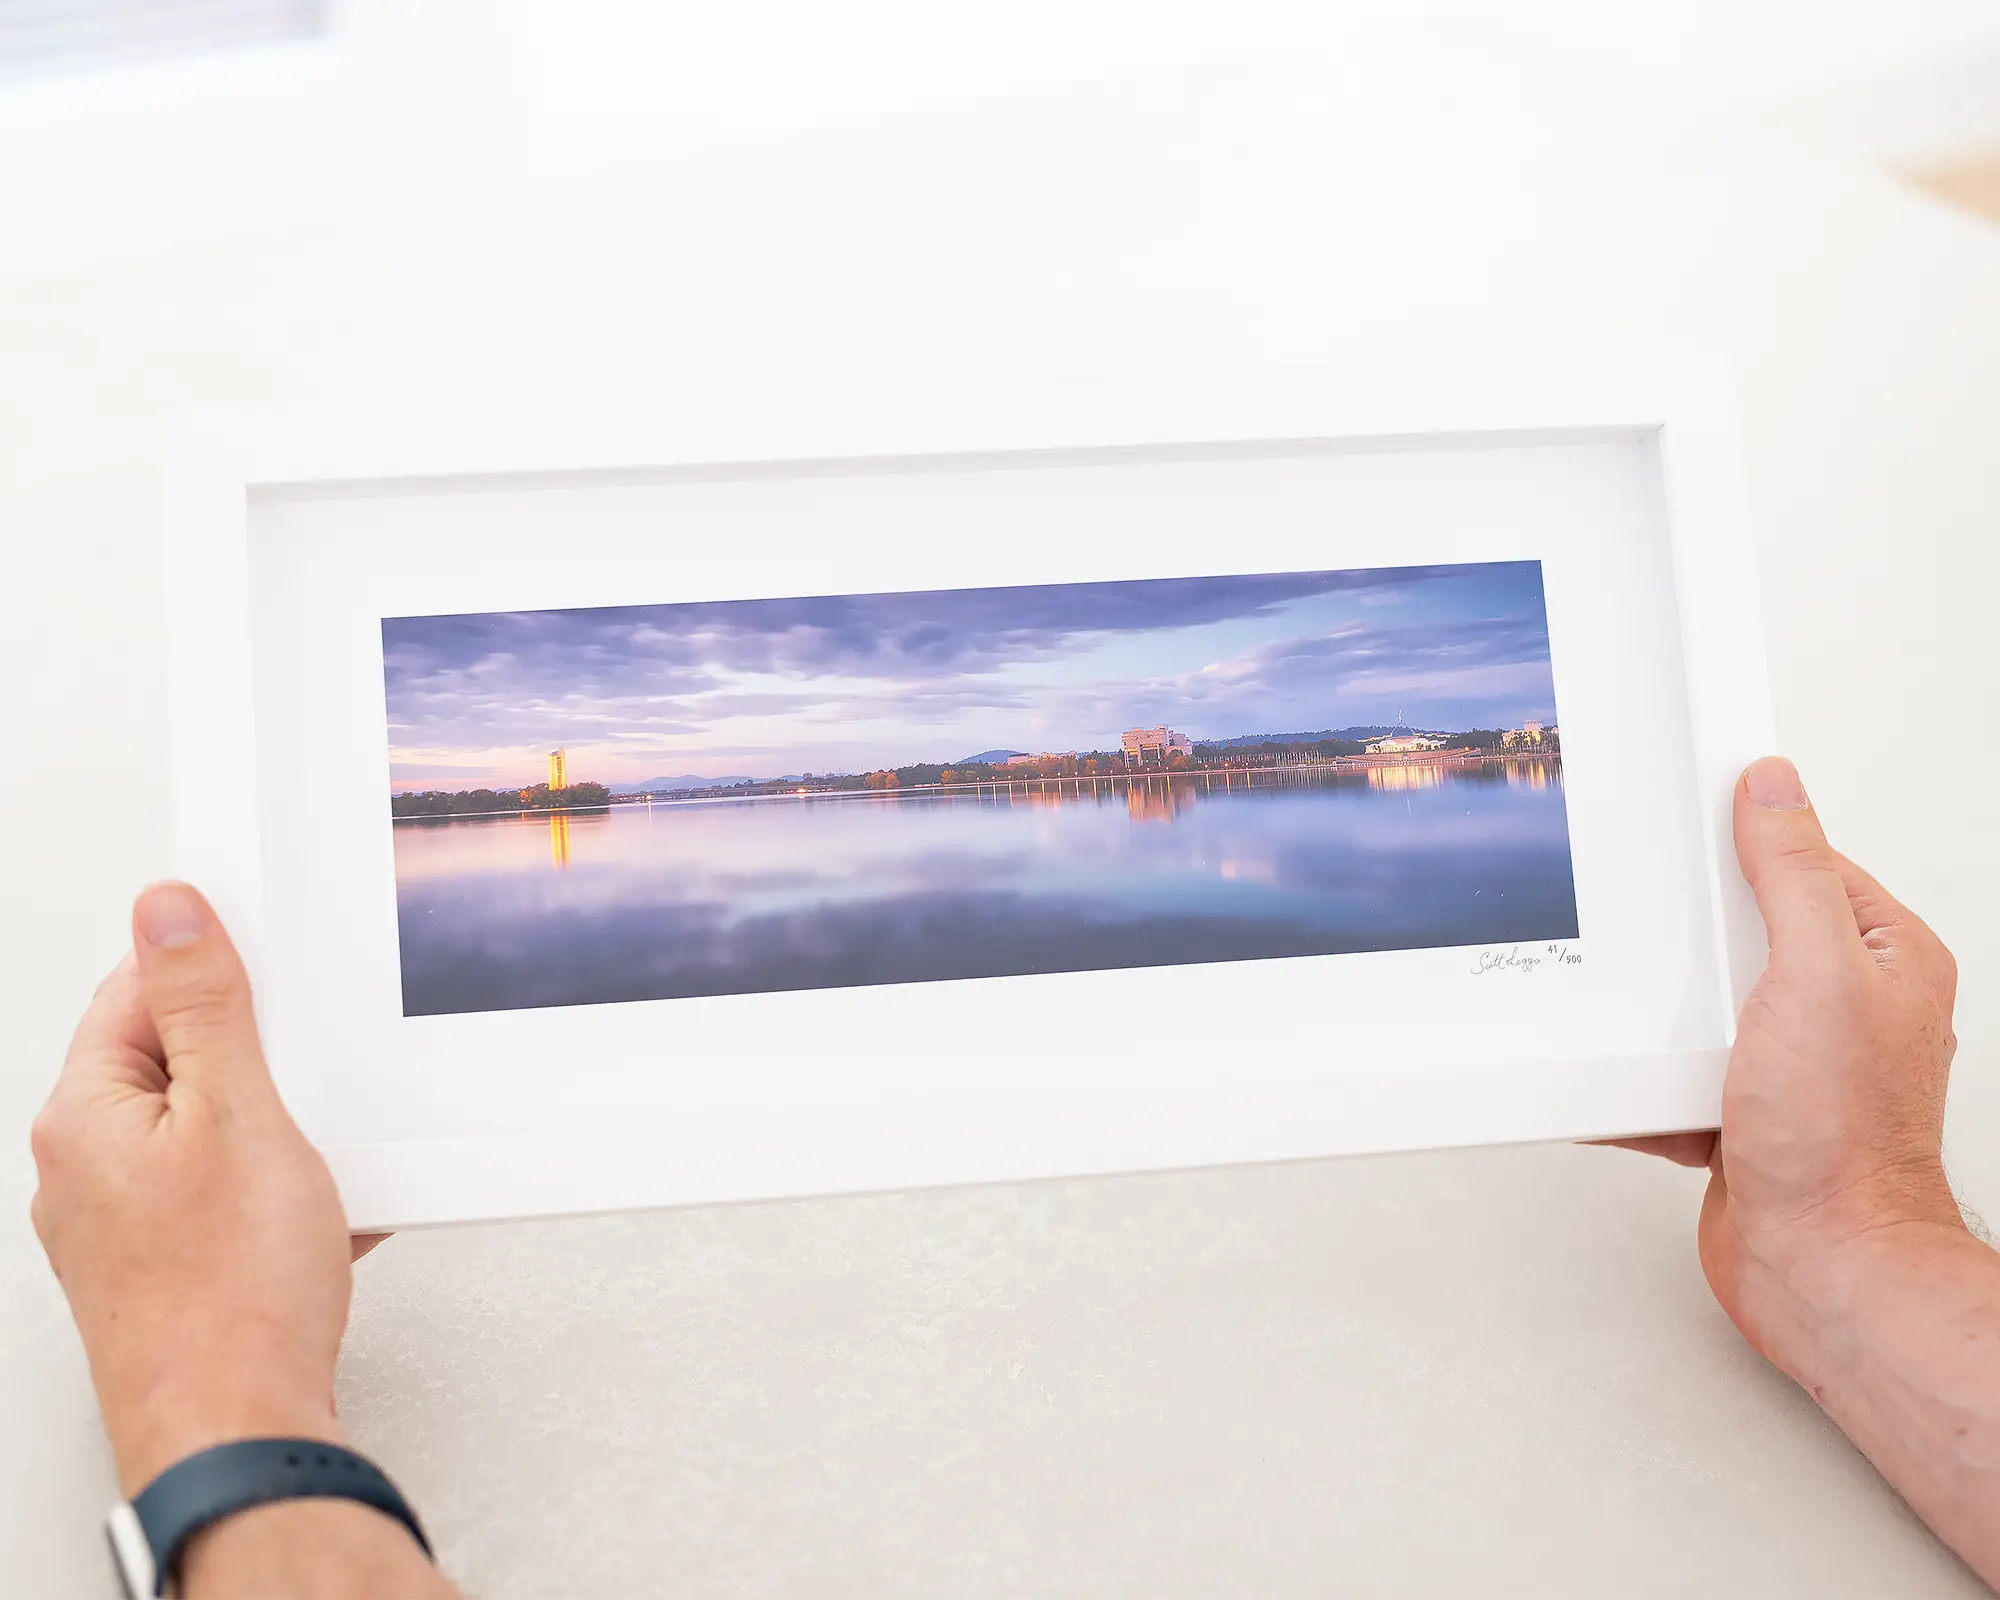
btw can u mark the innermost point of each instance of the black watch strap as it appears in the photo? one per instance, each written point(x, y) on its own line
point(216, 1483)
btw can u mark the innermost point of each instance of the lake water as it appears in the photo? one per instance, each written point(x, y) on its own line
point(736, 897)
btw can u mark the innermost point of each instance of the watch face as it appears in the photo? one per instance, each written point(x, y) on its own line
point(131, 1554)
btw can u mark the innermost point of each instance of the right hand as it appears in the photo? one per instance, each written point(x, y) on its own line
point(1833, 1107)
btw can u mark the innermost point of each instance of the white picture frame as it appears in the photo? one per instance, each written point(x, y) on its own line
point(434, 1120)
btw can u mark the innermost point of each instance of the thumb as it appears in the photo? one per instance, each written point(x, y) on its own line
point(197, 991)
point(1791, 868)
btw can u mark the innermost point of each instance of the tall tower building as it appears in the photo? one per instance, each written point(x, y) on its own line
point(558, 770)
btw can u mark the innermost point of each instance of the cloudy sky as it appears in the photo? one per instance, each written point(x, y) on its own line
point(853, 682)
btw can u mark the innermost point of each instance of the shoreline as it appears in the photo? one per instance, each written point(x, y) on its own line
point(1075, 782)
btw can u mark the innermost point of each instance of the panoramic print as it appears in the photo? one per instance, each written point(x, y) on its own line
point(662, 801)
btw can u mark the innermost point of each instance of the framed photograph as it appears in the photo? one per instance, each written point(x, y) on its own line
point(701, 798)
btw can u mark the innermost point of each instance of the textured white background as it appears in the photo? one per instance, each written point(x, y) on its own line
point(1493, 1373)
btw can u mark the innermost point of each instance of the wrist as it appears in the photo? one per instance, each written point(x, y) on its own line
point(1851, 1223)
point(150, 1437)
point(308, 1548)
point(1822, 1304)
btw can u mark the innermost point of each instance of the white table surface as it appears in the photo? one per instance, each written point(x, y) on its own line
point(1494, 1372)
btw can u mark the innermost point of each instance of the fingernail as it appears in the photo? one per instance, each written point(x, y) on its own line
point(1774, 784)
point(170, 915)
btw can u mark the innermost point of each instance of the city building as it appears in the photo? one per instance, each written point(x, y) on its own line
point(1404, 740)
point(1157, 744)
point(1530, 732)
point(1396, 744)
point(558, 769)
point(1046, 755)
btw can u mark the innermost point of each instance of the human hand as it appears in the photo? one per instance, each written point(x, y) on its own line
point(1833, 1107)
point(197, 1234)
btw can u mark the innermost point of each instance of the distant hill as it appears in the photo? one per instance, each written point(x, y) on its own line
point(988, 757)
point(687, 780)
point(1373, 730)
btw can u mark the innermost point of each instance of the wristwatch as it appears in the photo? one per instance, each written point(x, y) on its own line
point(148, 1533)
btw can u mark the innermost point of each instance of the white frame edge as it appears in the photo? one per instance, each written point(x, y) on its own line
point(215, 462)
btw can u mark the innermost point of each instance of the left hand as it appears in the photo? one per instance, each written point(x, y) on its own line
point(197, 1233)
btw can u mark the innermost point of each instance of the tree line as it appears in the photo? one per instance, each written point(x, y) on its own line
point(1223, 754)
point(539, 797)
point(1496, 739)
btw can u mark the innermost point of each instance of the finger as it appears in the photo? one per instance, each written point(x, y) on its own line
point(116, 1042)
point(1875, 909)
point(361, 1243)
point(1896, 936)
point(197, 993)
point(1791, 868)
point(1683, 1149)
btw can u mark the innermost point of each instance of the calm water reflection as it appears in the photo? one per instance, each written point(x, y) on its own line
point(741, 897)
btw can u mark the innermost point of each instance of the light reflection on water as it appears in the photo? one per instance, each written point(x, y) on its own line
point(747, 897)
point(1402, 779)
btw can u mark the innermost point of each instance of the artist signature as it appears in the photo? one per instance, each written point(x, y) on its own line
point(1515, 959)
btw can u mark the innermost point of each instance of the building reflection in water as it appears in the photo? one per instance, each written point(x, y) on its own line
point(559, 840)
point(1398, 779)
point(1536, 775)
point(1158, 801)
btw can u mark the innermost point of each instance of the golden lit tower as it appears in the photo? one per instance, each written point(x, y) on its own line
point(558, 770)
